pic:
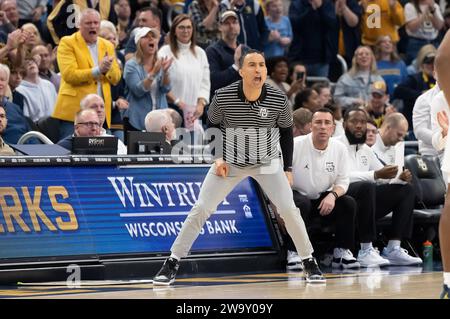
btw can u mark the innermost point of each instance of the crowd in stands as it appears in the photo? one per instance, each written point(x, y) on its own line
point(183, 57)
point(97, 68)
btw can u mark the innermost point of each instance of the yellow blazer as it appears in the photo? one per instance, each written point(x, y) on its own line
point(76, 65)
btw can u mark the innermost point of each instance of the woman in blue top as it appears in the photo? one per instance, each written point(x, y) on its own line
point(280, 36)
point(147, 80)
point(391, 68)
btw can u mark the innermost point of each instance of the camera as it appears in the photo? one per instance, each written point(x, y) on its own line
point(300, 75)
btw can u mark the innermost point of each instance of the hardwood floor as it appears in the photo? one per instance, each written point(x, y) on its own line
point(388, 283)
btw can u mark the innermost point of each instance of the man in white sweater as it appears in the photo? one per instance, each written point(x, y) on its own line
point(40, 95)
point(320, 183)
point(376, 197)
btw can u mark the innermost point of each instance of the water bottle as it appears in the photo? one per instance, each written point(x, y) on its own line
point(428, 253)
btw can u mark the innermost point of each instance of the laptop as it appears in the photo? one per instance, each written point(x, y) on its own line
point(95, 145)
point(40, 149)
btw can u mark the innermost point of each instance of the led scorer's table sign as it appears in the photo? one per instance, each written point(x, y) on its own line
point(68, 211)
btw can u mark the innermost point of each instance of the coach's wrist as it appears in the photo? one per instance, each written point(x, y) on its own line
point(289, 177)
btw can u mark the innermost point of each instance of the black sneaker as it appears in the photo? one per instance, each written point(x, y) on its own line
point(167, 273)
point(311, 271)
point(445, 292)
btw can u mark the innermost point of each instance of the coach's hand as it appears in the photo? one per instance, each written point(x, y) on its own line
point(222, 168)
point(289, 178)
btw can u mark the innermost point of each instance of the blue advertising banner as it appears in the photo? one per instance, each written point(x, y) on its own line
point(95, 210)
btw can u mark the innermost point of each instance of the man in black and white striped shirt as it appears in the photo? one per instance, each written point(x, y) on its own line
point(251, 130)
point(254, 119)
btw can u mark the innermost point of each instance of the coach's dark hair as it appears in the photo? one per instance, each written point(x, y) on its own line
point(247, 52)
point(354, 108)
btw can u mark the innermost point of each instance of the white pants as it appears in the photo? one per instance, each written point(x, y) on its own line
point(215, 188)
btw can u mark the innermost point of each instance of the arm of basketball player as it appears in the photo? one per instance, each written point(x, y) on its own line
point(443, 122)
point(442, 65)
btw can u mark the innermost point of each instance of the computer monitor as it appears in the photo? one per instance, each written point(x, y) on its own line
point(147, 143)
point(101, 145)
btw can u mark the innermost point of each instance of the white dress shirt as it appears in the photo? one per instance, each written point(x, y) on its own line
point(386, 154)
point(390, 155)
point(422, 121)
point(362, 161)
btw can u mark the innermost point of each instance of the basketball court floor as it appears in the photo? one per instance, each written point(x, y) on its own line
point(366, 283)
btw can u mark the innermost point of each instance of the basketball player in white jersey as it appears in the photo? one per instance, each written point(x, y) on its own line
point(443, 73)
